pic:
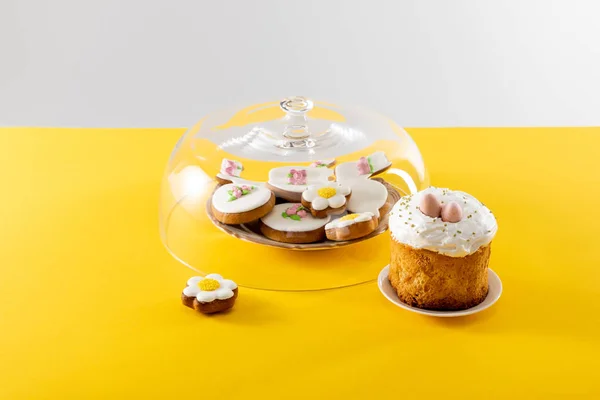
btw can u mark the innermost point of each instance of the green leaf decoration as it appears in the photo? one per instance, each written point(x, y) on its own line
point(295, 217)
point(289, 175)
point(370, 165)
point(245, 192)
point(232, 198)
point(230, 192)
point(284, 215)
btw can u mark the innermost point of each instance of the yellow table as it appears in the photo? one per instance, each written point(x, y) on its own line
point(89, 299)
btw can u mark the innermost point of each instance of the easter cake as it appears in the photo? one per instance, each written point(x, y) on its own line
point(441, 244)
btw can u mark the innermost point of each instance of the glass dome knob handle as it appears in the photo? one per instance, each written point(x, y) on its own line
point(295, 120)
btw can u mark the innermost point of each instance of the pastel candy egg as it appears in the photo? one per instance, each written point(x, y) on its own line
point(430, 206)
point(452, 212)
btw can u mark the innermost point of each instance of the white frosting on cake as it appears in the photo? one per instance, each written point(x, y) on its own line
point(276, 220)
point(410, 226)
point(342, 223)
point(257, 197)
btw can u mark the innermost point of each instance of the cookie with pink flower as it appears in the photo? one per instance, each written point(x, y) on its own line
point(365, 167)
point(288, 183)
point(293, 223)
point(235, 204)
point(230, 169)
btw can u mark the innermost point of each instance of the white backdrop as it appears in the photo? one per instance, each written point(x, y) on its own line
point(424, 63)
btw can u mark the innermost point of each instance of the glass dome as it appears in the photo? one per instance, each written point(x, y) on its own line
point(265, 158)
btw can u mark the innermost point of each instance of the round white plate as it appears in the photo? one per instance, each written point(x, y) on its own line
point(494, 292)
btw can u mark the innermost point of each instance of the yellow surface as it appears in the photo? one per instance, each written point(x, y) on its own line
point(89, 299)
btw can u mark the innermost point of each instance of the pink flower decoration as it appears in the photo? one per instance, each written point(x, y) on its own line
point(290, 211)
point(363, 166)
point(237, 192)
point(293, 209)
point(295, 212)
point(297, 177)
point(231, 168)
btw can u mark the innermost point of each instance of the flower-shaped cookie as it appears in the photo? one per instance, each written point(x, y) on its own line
point(209, 294)
point(326, 199)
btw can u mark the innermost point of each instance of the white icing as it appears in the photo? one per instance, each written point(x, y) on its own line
point(278, 177)
point(276, 221)
point(367, 196)
point(237, 171)
point(378, 161)
point(319, 203)
point(225, 290)
point(256, 198)
point(339, 223)
point(411, 227)
point(349, 170)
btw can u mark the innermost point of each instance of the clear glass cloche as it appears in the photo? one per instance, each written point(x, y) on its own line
point(230, 162)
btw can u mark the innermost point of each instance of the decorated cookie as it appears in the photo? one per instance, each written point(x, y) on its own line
point(234, 204)
point(368, 195)
point(326, 199)
point(293, 223)
point(351, 226)
point(229, 169)
point(323, 163)
point(363, 168)
point(289, 182)
point(209, 294)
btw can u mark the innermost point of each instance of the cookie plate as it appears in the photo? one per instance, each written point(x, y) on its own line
point(251, 232)
point(494, 292)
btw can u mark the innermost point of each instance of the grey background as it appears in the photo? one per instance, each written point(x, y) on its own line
point(156, 63)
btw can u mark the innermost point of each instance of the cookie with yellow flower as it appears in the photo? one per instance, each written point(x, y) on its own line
point(209, 294)
point(326, 199)
point(351, 226)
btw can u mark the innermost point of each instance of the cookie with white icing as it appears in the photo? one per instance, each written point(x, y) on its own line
point(289, 182)
point(323, 163)
point(364, 168)
point(235, 204)
point(326, 199)
point(293, 223)
point(351, 226)
point(209, 294)
point(229, 169)
point(368, 195)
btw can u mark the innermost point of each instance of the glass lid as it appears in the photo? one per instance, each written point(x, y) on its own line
point(248, 192)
